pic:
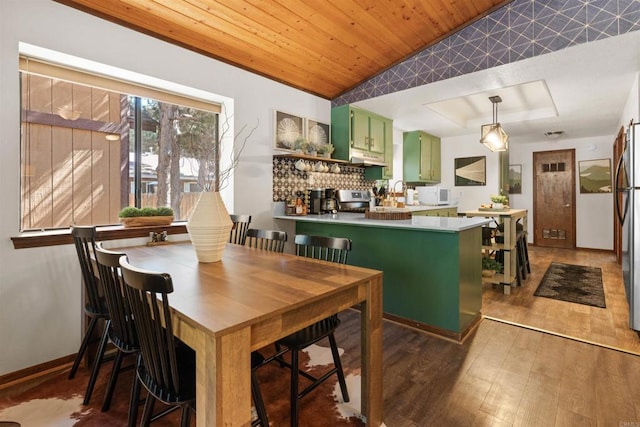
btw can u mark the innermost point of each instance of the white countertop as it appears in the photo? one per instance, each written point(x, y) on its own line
point(415, 208)
point(432, 223)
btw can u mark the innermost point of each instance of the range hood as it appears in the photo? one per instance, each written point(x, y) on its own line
point(367, 158)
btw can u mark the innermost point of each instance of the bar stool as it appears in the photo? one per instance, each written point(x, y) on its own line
point(523, 254)
point(500, 259)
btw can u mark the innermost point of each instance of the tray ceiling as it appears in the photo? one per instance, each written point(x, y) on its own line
point(323, 47)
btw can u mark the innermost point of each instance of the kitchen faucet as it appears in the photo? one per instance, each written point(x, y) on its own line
point(394, 189)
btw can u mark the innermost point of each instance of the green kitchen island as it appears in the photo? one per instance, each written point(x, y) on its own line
point(432, 265)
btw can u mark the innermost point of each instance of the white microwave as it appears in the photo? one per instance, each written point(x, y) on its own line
point(434, 195)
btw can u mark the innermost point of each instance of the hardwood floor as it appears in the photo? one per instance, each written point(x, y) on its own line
point(502, 375)
point(508, 375)
point(607, 327)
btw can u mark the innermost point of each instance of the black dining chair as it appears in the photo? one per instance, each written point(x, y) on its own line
point(334, 249)
point(84, 239)
point(238, 232)
point(167, 367)
point(122, 330)
point(268, 240)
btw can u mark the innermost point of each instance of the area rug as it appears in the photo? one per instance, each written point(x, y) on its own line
point(573, 283)
point(58, 401)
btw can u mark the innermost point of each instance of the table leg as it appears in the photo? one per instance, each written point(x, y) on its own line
point(371, 357)
point(223, 380)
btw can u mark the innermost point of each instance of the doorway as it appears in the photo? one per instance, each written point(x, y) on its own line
point(554, 196)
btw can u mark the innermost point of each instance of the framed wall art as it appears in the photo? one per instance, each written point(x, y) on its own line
point(470, 171)
point(515, 179)
point(318, 133)
point(595, 176)
point(287, 129)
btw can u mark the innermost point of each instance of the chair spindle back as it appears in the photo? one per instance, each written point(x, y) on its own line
point(147, 293)
point(334, 249)
point(123, 331)
point(238, 233)
point(268, 240)
point(84, 238)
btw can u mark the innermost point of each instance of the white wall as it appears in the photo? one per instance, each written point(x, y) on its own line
point(594, 212)
point(40, 289)
point(632, 106)
point(470, 197)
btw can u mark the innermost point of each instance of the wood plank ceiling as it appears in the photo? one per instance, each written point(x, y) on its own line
point(324, 47)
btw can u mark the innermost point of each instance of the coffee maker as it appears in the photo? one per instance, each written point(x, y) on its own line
point(330, 202)
point(316, 197)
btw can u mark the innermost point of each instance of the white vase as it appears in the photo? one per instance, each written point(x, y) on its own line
point(209, 226)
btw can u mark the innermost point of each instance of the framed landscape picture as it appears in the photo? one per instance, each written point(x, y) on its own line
point(470, 171)
point(287, 129)
point(515, 179)
point(595, 176)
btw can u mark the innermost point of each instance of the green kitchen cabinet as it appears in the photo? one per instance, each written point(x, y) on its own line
point(383, 172)
point(364, 135)
point(378, 133)
point(421, 157)
point(432, 280)
point(359, 137)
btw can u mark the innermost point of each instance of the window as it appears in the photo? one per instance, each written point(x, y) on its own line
point(93, 145)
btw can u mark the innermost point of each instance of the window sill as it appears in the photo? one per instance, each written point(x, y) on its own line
point(36, 239)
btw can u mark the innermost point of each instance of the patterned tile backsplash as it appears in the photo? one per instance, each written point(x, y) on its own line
point(289, 182)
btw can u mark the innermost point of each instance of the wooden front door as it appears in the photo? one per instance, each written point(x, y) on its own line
point(554, 212)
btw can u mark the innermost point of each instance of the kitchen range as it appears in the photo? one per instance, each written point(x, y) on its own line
point(353, 200)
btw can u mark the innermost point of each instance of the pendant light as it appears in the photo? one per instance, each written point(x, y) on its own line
point(492, 135)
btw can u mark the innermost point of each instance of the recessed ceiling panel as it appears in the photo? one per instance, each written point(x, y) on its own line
point(522, 102)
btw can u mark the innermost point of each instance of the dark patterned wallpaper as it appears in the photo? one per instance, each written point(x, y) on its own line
point(521, 29)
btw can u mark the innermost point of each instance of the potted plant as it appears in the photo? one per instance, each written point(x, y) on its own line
point(290, 144)
point(312, 148)
point(499, 201)
point(325, 150)
point(144, 217)
point(490, 267)
point(300, 145)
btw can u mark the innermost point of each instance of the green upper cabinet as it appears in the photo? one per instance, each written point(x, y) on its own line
point(383, 172)
point(377, 134)
point(364, 135)
point(421, 157)
point(359, 122)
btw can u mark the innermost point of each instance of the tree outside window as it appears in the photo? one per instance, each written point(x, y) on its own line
point(79, 151)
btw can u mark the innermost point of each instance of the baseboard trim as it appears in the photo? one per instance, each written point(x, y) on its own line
point(606, 251)
point(37, 371)
point(457, 337)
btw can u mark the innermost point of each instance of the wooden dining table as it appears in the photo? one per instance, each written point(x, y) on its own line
point(251, 298)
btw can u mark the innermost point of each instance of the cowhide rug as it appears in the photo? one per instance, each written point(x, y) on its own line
point(57, 402)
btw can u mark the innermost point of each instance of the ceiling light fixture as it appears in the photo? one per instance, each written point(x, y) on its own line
point(112, 137)
point(492, 135)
